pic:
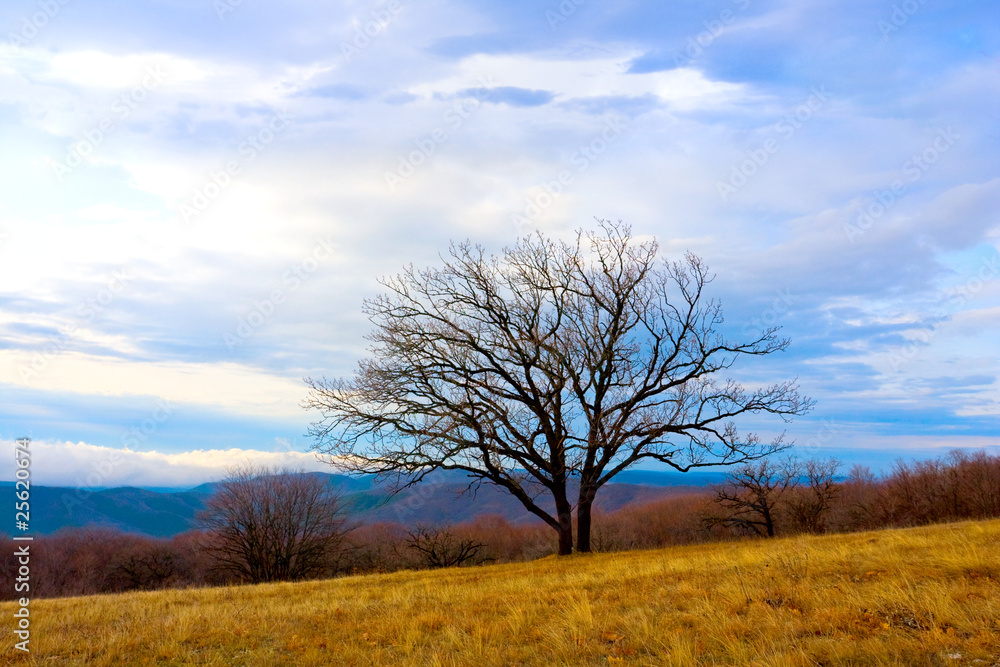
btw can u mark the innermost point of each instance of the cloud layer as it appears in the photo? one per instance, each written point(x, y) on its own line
point(87, 466)
point(198, 197)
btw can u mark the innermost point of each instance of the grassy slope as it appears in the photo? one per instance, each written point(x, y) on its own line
point(925, 596)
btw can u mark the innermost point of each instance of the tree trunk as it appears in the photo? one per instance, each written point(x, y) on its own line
point(583, 522)
point(564, 513)
point(768, 522)
point(583, 529)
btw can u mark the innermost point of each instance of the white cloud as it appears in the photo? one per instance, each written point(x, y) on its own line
point(220, 384)
point(83, 465)
point(684, 88)
point(104, 70)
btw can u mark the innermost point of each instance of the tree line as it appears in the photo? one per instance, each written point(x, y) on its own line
point(270, 525)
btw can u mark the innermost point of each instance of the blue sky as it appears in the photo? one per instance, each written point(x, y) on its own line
point(197, 195)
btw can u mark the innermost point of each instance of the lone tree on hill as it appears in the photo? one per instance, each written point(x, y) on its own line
point(547, 371)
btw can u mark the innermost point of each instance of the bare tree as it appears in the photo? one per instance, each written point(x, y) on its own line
point(440, 547)
point(979, 476)
point(814, 494)
point(547, 371)
point(749, 498)
point(267, 524)
point(860, 500)
point(143, 565)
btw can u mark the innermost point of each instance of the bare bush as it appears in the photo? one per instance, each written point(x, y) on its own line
point(858, 502)
point(440, 547)
point(661, 523)
point(266, 524)
point(978, 482)
point(813, 495)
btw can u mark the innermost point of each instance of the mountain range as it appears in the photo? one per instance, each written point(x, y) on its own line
point(442, 498)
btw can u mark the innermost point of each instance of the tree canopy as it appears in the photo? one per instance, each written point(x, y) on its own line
point(548, 370)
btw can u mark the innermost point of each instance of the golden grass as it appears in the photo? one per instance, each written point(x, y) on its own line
point(924, 596)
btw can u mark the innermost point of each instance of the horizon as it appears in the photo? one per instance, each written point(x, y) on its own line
point(192, 217)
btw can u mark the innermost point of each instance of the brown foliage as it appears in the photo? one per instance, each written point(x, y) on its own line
point(806, 497)
point(650, 525)
point(85, 561)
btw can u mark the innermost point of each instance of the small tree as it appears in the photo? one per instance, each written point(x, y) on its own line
point(860, 500)
point(440, 547)
point(813, 496)
point(749, 498)
point(269, 524)
point(547, 371)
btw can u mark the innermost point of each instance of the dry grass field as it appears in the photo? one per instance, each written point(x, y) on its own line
point(923, 596)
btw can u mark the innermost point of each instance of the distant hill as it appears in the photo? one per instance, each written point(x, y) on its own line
point(128, 509)
point(443, 498)
point(438, 501)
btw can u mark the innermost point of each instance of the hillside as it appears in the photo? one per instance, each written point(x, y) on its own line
point(127, 509)
point(921, 596)
point(439, 500)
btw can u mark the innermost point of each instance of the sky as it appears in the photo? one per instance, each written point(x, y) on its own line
point(196, 196)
